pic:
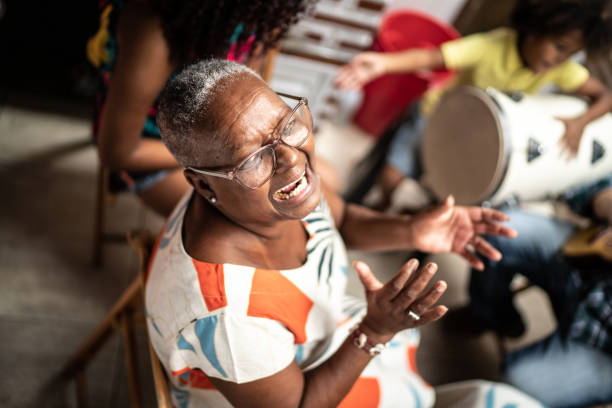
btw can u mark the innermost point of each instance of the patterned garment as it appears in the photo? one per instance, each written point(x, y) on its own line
point(102, 51)
point(580, 199)
point(241, 324)
point(592, 321)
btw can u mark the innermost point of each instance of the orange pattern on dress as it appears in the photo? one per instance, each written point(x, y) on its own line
point(411, 352)
point(364, 394)
point(197, 379)
point(275, 297)
point(212, 284)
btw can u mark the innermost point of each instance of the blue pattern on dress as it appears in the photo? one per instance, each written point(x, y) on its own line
point(173, 226)
point(183, 344)
point(180, 396)
point(205, 331)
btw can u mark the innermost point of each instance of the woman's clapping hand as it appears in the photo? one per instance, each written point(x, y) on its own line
point(390, 304)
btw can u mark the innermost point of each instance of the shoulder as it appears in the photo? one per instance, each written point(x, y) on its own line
point(140, 32)
point(473, 49)
point(501, 34)
point(569, 76)
point(138, 17)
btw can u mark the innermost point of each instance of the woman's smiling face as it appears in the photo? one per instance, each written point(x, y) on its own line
point(245, 116)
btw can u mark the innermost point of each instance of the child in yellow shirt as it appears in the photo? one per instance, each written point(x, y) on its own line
point(534, 53)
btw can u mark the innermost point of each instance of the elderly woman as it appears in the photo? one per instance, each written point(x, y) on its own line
point(245, 294)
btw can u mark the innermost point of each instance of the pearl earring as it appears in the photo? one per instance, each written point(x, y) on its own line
point(212, 200)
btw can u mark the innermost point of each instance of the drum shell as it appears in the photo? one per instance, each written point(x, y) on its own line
point(485, 147)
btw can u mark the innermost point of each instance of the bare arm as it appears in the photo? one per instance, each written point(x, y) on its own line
point(413, 60)
point(601, 98)
point(141, 71)
point(444, 228)
point(369, 65)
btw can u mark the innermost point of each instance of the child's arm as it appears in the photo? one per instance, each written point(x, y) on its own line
point(574, 127)
point(367, 66)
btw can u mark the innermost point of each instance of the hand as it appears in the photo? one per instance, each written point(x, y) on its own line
point(362, 69)
point(447, 228)
point(388, 304)
point(570, 142)
point(602, 205)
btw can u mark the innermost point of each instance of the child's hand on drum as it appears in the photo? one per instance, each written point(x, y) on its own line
point(570, 142)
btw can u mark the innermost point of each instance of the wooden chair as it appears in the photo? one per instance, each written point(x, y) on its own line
point(103, 198)
point(123, 315)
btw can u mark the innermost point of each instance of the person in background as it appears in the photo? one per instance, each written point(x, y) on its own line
point(245, 295)
point(534, 53)
point(573, 366)
point(140, 45)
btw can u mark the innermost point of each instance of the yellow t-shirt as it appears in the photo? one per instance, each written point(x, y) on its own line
point(492, 59)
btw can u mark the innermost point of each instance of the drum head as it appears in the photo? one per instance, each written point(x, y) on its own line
point(463, 149)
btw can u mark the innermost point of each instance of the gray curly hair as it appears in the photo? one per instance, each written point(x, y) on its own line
point(187, 100)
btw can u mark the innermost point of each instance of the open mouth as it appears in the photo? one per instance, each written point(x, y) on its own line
point(293, 189)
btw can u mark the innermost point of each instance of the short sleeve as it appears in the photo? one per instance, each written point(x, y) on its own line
point(235, 348)
point(464, 52)
point(571, 76)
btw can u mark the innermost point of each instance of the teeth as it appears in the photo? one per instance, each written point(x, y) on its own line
point(300, 186)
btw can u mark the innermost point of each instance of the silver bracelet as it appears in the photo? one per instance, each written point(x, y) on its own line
point(360, 339)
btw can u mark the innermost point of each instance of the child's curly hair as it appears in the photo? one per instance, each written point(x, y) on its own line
point(557, 17)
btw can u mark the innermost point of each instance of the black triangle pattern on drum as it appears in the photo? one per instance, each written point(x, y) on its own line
point(598, 152)
point(534, 150)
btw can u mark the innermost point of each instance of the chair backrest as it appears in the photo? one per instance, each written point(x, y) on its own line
point(143, 242)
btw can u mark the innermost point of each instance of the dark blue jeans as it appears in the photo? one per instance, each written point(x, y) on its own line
point(533, 254)
point(557, 372)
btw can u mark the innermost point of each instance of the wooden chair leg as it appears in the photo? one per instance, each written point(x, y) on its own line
point(142, 242)
point(99, 213)
point(160, 380)
point(103, 331)
point(130, 359)
point(81, 389)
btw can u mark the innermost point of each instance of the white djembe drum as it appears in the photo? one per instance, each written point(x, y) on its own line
point(489, 147)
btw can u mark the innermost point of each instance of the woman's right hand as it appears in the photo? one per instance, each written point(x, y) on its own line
point(362, 69)
point(390, 304)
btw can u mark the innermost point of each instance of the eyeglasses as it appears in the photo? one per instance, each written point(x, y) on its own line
point(259, 167)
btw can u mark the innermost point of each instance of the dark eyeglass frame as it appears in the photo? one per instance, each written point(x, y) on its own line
point(231, 175)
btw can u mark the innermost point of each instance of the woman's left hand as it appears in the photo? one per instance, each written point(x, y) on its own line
point(450, 228)
point(570, 142)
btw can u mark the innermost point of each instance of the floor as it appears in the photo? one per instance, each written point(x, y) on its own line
point(51, 297)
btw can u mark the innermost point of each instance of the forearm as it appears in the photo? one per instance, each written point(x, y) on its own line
point(328, 384)
point(365, 229)
point(413, 60)
point(144, 155)
point(601, 105)
point(324, 386)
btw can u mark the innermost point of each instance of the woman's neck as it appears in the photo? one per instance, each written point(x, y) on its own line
point(211, 236)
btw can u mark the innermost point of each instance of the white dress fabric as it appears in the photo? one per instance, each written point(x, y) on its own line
point(241, 324)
